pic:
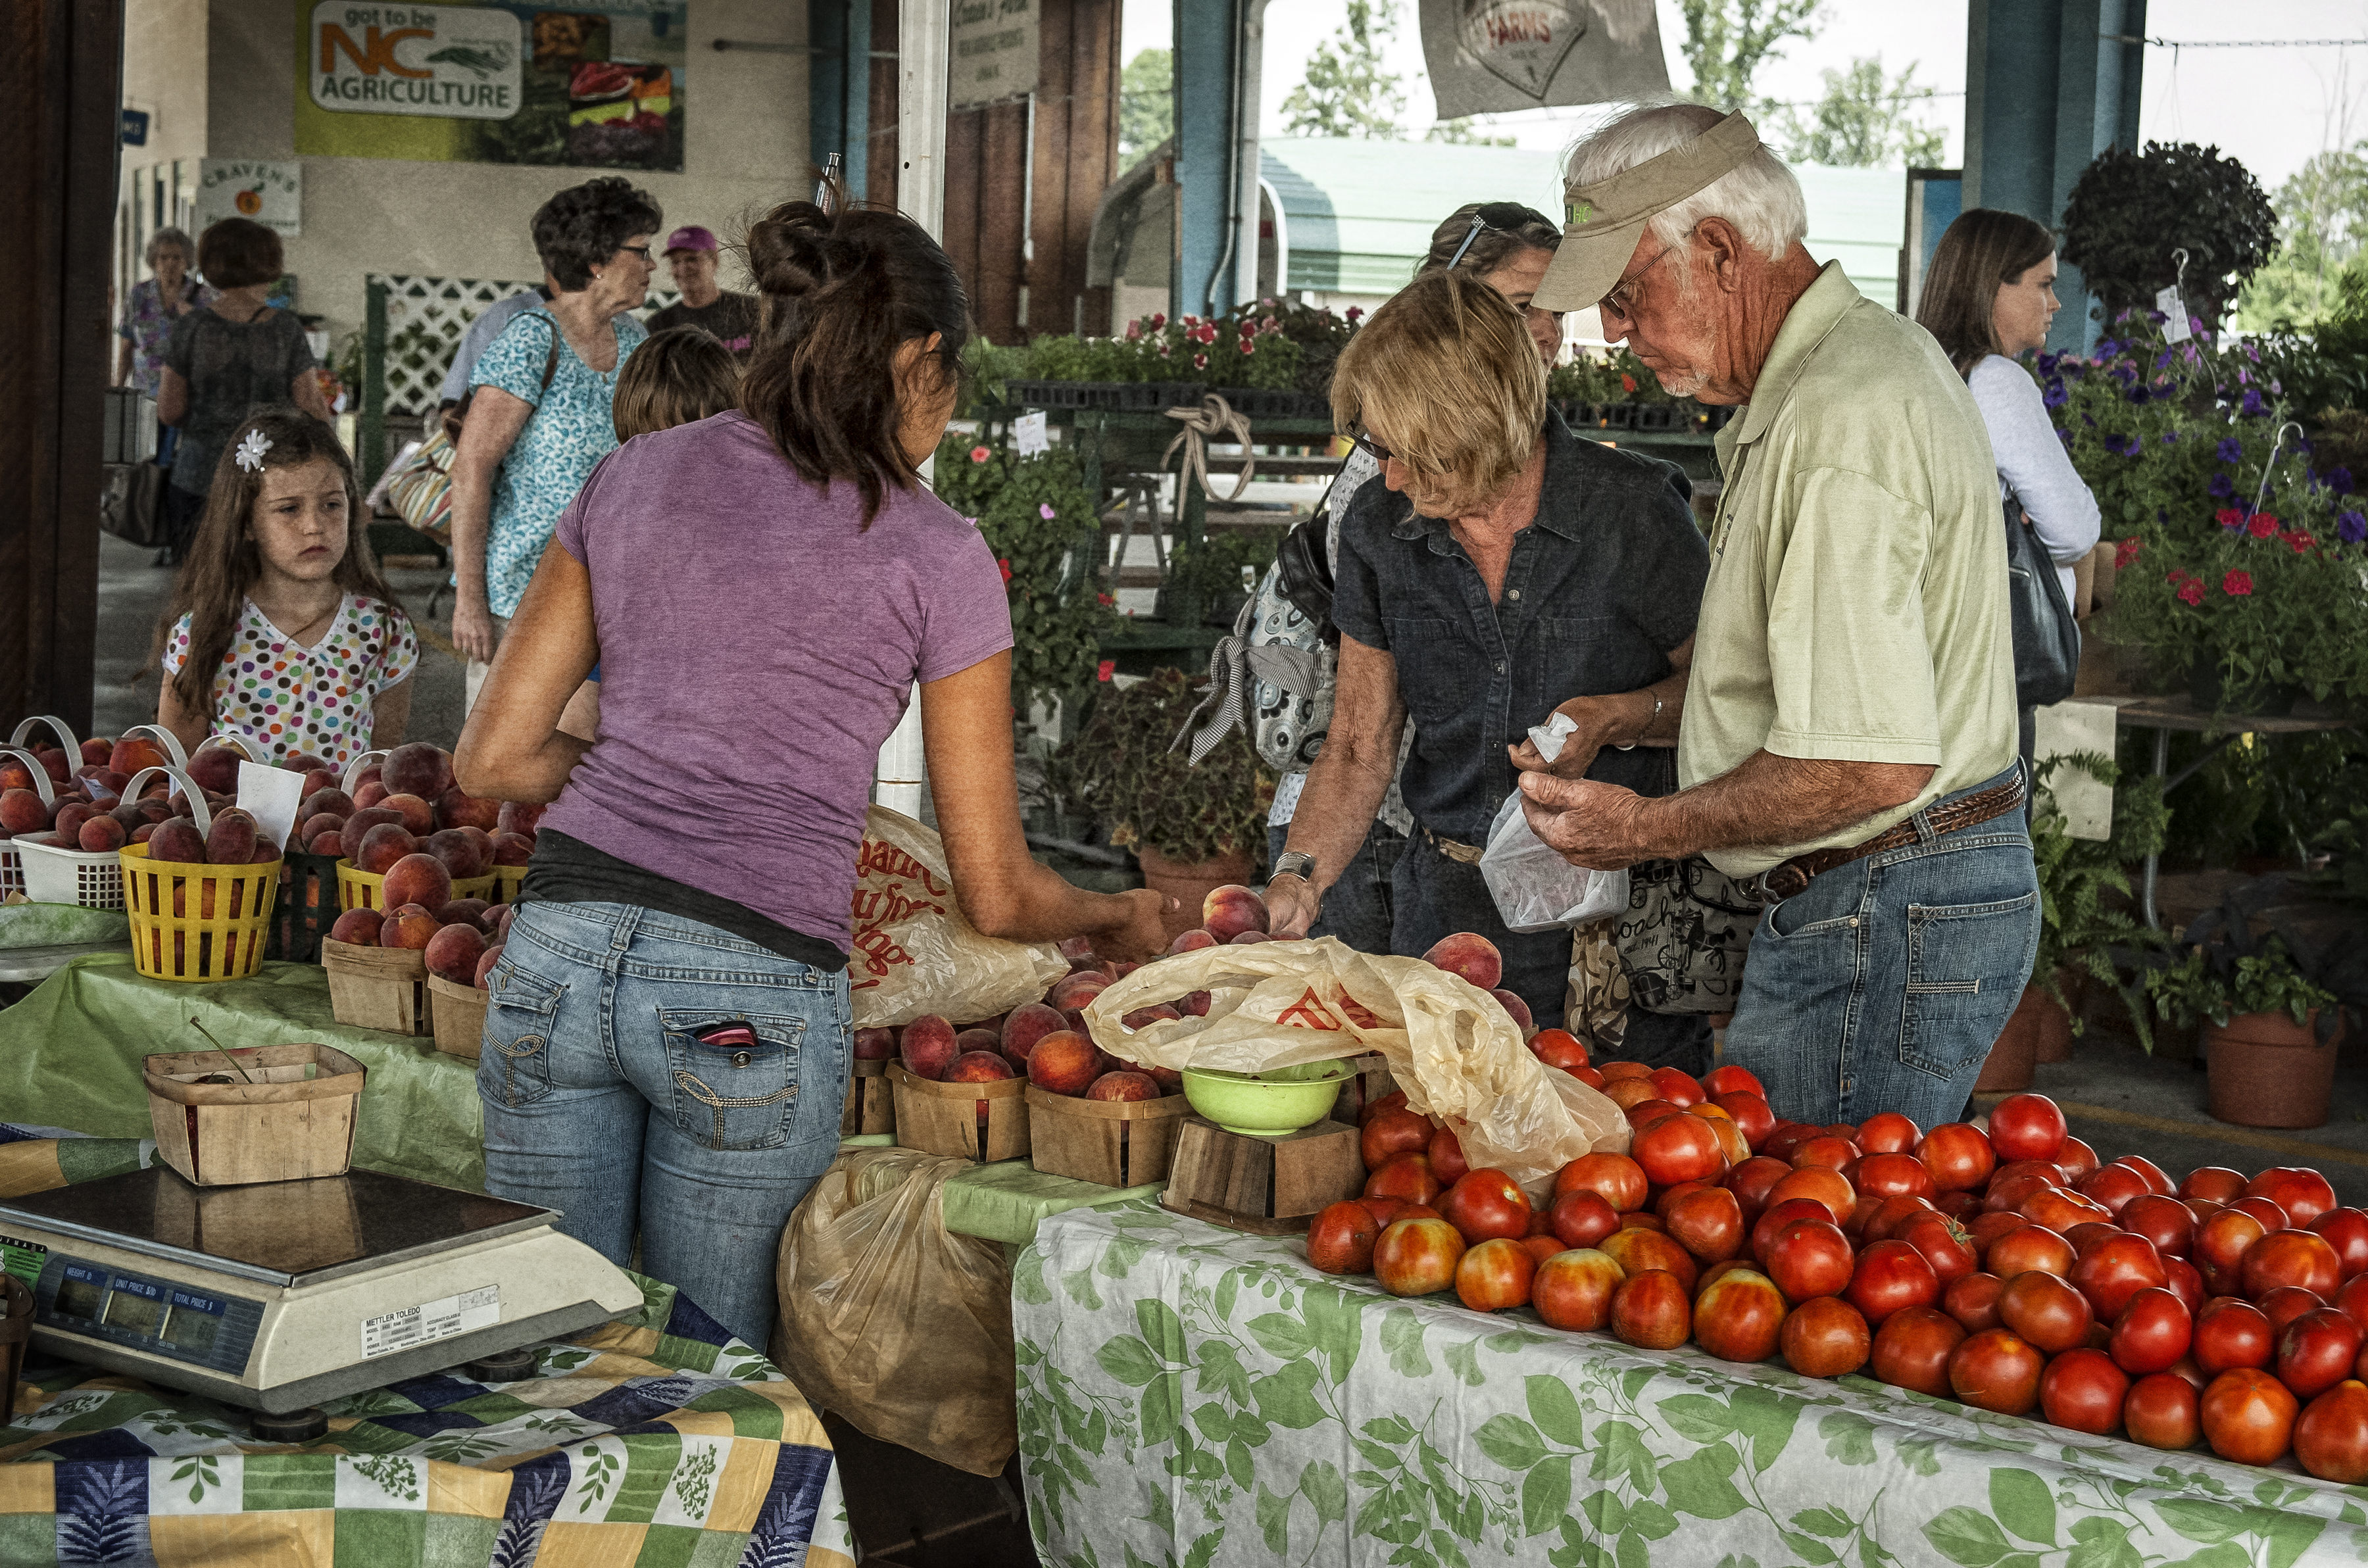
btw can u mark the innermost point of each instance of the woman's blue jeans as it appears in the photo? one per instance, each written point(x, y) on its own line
point(1885, 983)
point(602, 1102)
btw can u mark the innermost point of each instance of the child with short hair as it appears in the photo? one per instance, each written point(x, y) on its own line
point(281, 628)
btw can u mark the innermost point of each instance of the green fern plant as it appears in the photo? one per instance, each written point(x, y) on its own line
point(2079, 927)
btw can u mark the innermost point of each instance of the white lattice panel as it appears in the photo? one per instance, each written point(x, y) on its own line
point(426, 318)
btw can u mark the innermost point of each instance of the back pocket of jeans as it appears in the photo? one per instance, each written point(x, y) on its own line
point(1966, 967)
point(738, 1092)
point(521, 1015)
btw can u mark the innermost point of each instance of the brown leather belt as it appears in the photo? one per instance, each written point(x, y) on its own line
point(1793, 878)
point(1464, 853)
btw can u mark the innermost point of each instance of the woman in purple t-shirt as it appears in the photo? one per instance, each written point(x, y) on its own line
point(666, 1042)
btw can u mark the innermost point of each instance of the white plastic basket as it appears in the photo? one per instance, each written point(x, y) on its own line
point(45, 874)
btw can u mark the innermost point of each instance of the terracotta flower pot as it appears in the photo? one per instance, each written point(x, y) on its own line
point(2007, 1069)
point(2265, 1070)
point(2050, 1023)
point(1189, 882)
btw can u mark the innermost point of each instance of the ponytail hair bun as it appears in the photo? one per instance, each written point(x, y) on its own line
point(790, 251)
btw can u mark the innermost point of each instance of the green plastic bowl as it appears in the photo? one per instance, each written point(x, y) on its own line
point(1270, 1104)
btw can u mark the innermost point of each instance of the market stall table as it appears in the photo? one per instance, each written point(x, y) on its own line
point(656, 1439)
point(1190, 1395)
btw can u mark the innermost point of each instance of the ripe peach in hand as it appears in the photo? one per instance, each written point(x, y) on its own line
point(417, 879)
point(453, 951)
point(1065, 1064)
point(928, 1046)
point(358, 928)
point(1470, 957)
point(1229, 911)
point(1126, 1084)
point(457, 808)
point(519, 817)
point(408, 926)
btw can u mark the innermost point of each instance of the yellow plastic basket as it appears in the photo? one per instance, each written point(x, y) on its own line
point(225, 919)
point(363, 890)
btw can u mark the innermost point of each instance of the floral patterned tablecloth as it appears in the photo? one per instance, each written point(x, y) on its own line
point(1191, 1396)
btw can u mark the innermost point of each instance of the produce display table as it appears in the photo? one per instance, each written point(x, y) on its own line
point(1190, 1395)
point(1005, 1202)
point(649, 1442)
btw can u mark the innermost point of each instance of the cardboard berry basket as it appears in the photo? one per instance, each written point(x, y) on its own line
point(945, 1118)
point(1114, 1142)
point(268, 1113)
point(459, 1012)
point(377, 988)
point(871, 1101)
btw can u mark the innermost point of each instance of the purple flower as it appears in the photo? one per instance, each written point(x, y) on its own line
point(2338, 479)
point(2220, 489)
point(2054, 396)
point(2252, 404)
point(2169, 436)
point(2350, 527)
point(2107, 349)
point(2137, 394)
point(2064, 435)
point(2230, 450)
point(2047, 362)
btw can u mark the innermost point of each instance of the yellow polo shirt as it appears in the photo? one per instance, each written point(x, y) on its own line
point(1856, 609)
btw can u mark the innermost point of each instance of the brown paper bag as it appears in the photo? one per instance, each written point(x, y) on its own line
point(1452, 1046)
point(914, 953)
point(893, 1321)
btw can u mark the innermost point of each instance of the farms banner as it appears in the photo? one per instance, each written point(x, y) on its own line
point(1494, 56)
point(499, 82)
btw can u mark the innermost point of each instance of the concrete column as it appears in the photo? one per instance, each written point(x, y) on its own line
point(1208, 53)
point(2048, 86)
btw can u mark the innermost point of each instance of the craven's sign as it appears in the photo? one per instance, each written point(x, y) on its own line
point(452, 62)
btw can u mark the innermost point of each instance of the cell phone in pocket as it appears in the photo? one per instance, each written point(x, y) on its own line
point(727, 1036)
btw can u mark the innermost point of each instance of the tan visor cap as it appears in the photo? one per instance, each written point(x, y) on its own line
point(1601, 221)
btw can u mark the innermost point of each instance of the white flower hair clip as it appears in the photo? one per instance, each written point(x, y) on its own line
point(251, 450)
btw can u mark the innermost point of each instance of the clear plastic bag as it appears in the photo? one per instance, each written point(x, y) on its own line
point(914, 953)
point(1534, 886)
point(893, 1321)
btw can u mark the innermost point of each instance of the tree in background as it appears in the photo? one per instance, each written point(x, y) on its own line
point(1463, 133)
point(1727, 41)
point(1146, 105)
point(2323, 222)
point(1345, 92)
point(1866, 121)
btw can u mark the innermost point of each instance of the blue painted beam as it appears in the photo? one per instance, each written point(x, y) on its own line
point(839, 102)
point(1208, 53)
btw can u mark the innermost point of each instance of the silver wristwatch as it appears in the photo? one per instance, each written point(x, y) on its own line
point(1294, 863)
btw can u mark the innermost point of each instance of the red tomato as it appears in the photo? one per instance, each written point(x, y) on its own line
point(2152, 1333)
point(1996, 1370)
point(1387, 1211)
point(2303, 1193)
point(1494, 1274)
point(1618, 1179)
point(1572, 1290)
point(2088, 1236)
point(1888, 1132)
point(1739, 1316)
point(2027, 1127)
point(1894, 1176)
point(2346, 1230)
point(2115, 1269)
point(1544, 1245)
point(1973, 1300)
point(1580, 1217)
point(1587, 1076)
point(1650, 1312)
point(2161, 1411)
point(1625, 1070)
point(1708, 1222)
point(2165, 1222)
point(1680, 1148)
point(2115, 1186)
point(1393, 1100)
point(2316, 1352)
point(2060, 1210)
point(1786, 1137)
point(1640, 1220)
point(1730, 1079)
point(2076, 1159)
point(2155, 1178)
point(2271, 1215)
point(1678, 1086)
point(1912, 1350)
point(1957, 1155)
point(1827, 1186)
point(1987, 1228)
point(2248, 1416)
point(1340, 1239)
point(1485, 1205)
point(1776, 1216)
point(2008, 1193)
point(1559, 1048)
point(2290, 1257)
point(1415, 1257)
point(1644, 1113)
point(2287, 1302)
point(2083, 1390)
point(2330, 1437)
point(1891, 1276)
point(1446, 1151)
point(1834, 1153)
point(1751, 1115)
point(1944, 1245)
point(1638, 1250)
point(1751, 1181)
point(1888, 1216)
point(1405, 1175)
point(2219, 1246)
point(2045, 1311)
point(2217, 1184)
point(1394, 1133)
point(2352, 1300)
point(2028, 1247)
point(1825, 1336)
point(1810, 1257)
point(2184, 1282)
point(2229, 1334)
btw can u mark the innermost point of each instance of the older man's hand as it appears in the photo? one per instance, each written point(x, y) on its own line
point(1587, 823)
point(1595, 719)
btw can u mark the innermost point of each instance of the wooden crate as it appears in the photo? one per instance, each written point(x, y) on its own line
point(871, 1103)
point(459, 1012)
point(377, 988)
point(943, 1119)
point(1373, 1081)
point(295, 1120)
point(1269, 1187)
point(1115, 1142)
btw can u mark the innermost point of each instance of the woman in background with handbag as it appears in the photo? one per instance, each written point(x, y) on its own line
point(1990, 294)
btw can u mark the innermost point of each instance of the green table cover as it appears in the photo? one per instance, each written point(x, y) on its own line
point(1191, 1395)
point(59, 924)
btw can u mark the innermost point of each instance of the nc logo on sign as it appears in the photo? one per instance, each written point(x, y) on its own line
point(451, 61)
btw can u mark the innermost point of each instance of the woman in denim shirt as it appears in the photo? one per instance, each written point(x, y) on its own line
point(1504, 570)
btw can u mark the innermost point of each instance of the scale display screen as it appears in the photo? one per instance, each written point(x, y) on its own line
point(116, 1308)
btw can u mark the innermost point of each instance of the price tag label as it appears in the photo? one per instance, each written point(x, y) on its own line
point(2174, 309)
point(22, 1258)
point(270, 796)
point(1029, 434)
point(431, 1321)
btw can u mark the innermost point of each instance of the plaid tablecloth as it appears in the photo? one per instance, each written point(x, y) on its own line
point(656, 1441)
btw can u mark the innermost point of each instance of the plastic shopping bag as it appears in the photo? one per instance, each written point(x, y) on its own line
point(893, 1321)
point(914, 953)
point(1534, 886)
point(1451, 1045)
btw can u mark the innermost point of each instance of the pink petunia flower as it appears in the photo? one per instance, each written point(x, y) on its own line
point(2261, 525)
point(1044, 510)
point(980, 454)
point(1003, 561)
point(2125, 552)
point(1108, 669)
point(2229, 518)
point(2192, 593)
point(2238, 583)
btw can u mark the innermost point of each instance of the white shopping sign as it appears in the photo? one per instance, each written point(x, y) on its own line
point(454, 61)
point(272, 193)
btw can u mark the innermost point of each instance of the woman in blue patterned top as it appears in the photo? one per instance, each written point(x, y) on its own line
point(538, 411)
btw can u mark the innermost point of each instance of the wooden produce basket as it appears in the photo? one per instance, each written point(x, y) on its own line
point(944, 1118)
point(1269, 1187)
point(507, 879)
point(377, 988)
point(293, 1121)
point(1115, 1142)
point(459, 1012)
point(871, 1101)
point(361, 890)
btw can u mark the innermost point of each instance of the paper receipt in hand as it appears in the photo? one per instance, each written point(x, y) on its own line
point(1549, 737)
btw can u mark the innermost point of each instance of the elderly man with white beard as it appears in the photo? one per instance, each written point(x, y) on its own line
point(1848, 746)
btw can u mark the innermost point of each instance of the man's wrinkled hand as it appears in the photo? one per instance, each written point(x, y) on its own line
point(1587, 823)
point(1594, 719)
point(1292, 907)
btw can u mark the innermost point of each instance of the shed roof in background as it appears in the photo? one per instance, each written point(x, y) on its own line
point(1359, 214)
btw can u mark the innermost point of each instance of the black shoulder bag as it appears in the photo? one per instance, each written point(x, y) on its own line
point(2046, 638)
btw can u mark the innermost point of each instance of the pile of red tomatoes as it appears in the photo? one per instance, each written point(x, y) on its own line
point(2003, 1268)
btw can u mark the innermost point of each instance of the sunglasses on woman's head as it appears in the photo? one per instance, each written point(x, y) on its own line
point(1493, 216)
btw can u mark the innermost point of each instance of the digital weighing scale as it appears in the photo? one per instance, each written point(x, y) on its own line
point(279, 1295)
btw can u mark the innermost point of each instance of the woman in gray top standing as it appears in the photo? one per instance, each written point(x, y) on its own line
point(235, 354)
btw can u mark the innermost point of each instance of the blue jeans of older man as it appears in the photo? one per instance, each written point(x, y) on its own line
point(602, 1101)
point(1883, 986)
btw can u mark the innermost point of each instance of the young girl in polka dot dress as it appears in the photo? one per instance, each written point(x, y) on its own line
point(281, 628)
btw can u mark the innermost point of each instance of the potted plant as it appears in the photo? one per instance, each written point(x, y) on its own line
point(2270, 1006)
point(1192, 827)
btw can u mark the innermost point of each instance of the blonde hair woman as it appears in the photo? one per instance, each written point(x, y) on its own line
point(1504, 570)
